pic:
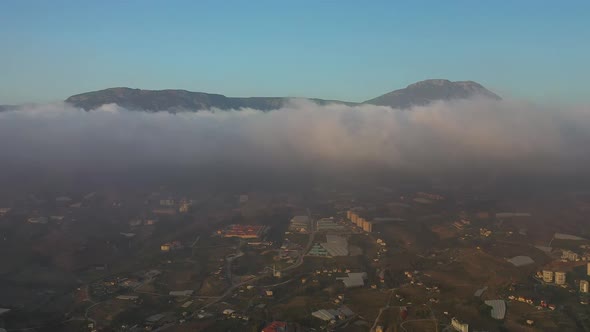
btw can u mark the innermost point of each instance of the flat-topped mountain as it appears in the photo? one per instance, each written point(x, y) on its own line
point(425, 92)
point(420, 93)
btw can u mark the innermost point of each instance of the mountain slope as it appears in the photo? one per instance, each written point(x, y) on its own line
point(425, 92)
point(420, 93)
point(170, 100)
point(7, 107)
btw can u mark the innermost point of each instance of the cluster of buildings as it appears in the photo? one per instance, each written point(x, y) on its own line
point(359, 221)
point(300, 224)
point(333, 315)
point(485, 232)
point(243, 231)
point(328, 224)
point(549, 277)
point(522, 299)
point(169, 206)
point(568, 255)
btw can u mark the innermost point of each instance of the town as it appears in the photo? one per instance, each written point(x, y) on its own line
point(372, 259)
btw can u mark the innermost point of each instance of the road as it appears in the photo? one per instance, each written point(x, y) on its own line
point(387, 306)
point(88, 309)
point(307, 247)
point(298, 263)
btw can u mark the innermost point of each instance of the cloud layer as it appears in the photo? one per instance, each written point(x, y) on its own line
point(447, 137)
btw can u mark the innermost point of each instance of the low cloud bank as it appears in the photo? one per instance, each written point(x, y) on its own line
point(505, 137)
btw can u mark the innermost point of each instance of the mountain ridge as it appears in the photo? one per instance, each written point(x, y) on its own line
point(416, 94)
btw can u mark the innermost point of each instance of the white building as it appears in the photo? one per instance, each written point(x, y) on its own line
point(325, 315)
point(521, 261)
point(547, 276)
point(498, 308)
point(458, 326)
point(354, 279)
point(584, 286)
point(560, 278)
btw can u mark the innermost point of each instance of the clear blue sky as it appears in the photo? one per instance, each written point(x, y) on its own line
point(348, 50)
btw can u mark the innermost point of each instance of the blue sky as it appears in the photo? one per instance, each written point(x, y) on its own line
point(347, 50)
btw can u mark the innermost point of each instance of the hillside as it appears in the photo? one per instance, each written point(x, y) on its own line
point(420, 93)
point(425, 92)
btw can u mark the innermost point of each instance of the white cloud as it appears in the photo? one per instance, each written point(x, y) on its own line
point(503, 136)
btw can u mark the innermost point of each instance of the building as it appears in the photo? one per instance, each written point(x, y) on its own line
point(336, 245)
point(560, 278)
point(547, 276)
point(155, 318)
point(169, 246)
point(355, 218)
point(127, 297)
point(328, 224)
point(325, 315)
point(584, 286)
point(498, 308)
point(300, 224)
point(569, 255)
point(167, 202)
point(458, 326)
point(152, 274)
point(360, 221)
point(367, 226)
point(353, 280)
point(184, 207)
point(519, 261)
point(244, 231)
point(333, 314)
point(588, 269)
